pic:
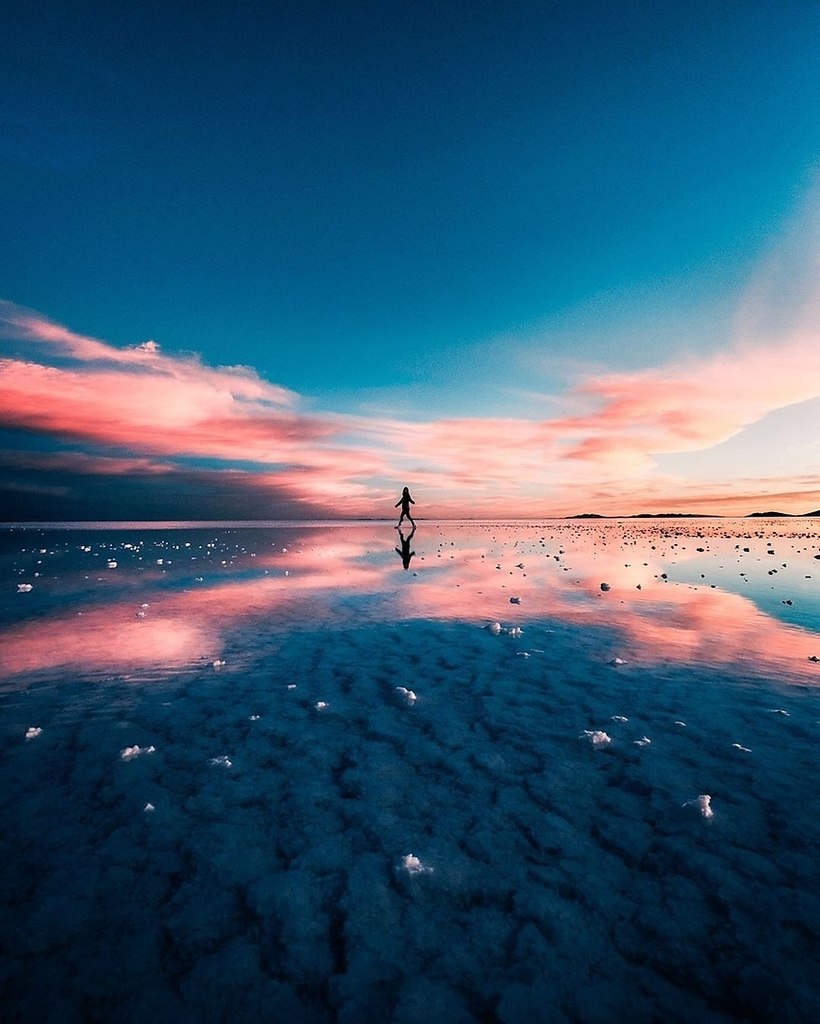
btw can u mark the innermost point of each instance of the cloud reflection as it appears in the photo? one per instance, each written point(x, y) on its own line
point(339, 578)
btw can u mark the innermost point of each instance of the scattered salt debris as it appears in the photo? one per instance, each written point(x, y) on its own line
point(320, 705)
point(597, 737)
point(148, 808)
point(413, 866)
point(129, 753)
point(33, 732)
point(219, 663)
point(619, 718)
point(703, 803)
point(112, 564)
point(408, 695)
point(24, 588)
point(223, 761)
point(644, 741)
point(253, 718)
point(745, 750)
point(515, 631)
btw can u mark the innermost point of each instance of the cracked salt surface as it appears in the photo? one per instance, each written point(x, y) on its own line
point(467, 860)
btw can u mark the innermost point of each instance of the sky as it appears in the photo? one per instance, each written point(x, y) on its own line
point(278, 260)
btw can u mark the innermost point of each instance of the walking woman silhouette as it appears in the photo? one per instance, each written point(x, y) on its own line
point(405, 501)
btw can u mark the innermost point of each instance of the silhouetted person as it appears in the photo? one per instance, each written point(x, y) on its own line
point(405, 552)
point(405, 501)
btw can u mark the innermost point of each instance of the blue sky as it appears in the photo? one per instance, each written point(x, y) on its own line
point(411, 211)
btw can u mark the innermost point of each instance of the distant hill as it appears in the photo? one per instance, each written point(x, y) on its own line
point(649, 515)
point(698, 515)
point(781, 515)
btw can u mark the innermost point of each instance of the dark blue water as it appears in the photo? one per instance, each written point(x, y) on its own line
point(306, 842)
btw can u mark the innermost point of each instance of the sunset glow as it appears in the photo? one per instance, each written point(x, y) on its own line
point(358, 288)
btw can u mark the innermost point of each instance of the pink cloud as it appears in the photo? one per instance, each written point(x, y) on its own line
point(151, 411)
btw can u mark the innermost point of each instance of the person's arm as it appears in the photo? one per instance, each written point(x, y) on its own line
point(397, 503)
point(411, 500)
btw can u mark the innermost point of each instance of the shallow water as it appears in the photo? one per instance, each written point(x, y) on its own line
point(306, 842)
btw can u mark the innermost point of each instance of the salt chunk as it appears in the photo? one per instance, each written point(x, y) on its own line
point(129, 753)
point(516, 631)
point(112, 564)
point(619, 718)
point(320, 705)
point(681, 724)
point(222, 761)
point(408, 695)
point(148, 808)
point(644, 741)
point(33, 732)
point(745, 750)
point(703, 803)
point(291, 686)
point(515, 600)
point(253, 718)
point(779, 711)
point(494, 627)
point(605, 587)
point(218, 664)
point(597, 737)
point(23, 588)
point(413, 866)
point(617, 661)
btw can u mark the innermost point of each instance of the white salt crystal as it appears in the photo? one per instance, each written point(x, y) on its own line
point(129, 753)
point(33, 732)
point(597, 737)
point(703, 803)
point(412, 865)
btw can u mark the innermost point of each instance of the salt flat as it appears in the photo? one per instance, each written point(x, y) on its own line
point(220, 803)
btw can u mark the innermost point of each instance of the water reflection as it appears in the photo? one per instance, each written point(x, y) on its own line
point(404, 553)
point(178, 599)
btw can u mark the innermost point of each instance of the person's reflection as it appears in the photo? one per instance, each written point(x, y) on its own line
point(404, 551)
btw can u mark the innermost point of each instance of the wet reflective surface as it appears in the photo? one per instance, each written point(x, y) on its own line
point(339, 773)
